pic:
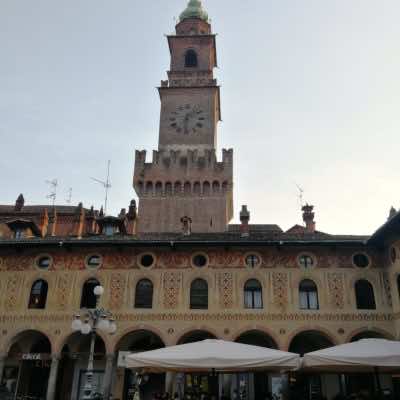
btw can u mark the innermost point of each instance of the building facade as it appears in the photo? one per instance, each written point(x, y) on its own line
point(174, 270)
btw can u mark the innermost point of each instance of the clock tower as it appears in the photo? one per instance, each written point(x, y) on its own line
point(185, 181)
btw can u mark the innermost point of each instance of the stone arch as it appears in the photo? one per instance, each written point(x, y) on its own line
point(137, 341)
point(168, 189)
point(197, 188)
point(140, 186)
point(259, 328)
point(159, 188)
point(369, 333)
point(206, 188)
point(178, 187)
point(313, 328)
point(130, 331)
point(187, 188)
point(225, 186)
point(216, 187)
point(149, 188)
point(309, 340)
point(65, 341)
point(26, 334)
point(195, 335)
point(143, 339)
point(257, 337)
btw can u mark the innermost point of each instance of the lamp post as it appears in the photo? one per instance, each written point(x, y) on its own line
point(93, 320)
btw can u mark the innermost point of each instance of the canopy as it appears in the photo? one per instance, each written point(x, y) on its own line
point(363, 355)
point(210, 354)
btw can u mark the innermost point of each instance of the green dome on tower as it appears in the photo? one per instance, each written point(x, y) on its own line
point(194, 10)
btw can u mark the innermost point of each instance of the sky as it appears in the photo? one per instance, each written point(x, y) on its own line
point(310, 98)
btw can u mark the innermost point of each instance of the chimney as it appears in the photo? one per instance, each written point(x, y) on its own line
point(131, 218)
point(19, 203)
point(308, 218)
point(392, 213)
point(244, 220)
point(186, 226)
point(79, 221)
point(91, 221)
point(52, 223)
point(44, 222)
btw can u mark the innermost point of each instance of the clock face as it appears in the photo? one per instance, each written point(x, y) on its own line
point(187, 119)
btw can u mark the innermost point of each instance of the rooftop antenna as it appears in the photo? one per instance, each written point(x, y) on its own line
point(53, 190)
point(69, 196)
point(106, 184)
point(301, 194)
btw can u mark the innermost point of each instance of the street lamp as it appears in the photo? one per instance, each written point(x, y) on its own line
point(93, 320)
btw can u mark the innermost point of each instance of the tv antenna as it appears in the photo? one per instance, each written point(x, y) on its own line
point(106, 184)
point(301, 194)
point(53, 190)
point(69, 196)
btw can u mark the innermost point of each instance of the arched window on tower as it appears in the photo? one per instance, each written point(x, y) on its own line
point(365, 297)
point(191, 59)
point(199, 295)
point(308, 295)
point(88, 299)
point(144, 294)
point(253, 294)
point(38, 296)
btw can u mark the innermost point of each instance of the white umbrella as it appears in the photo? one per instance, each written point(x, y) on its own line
point(361, 356)
point(213, 355)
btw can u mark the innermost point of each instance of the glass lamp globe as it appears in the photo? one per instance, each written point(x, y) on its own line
point(113, 327)
point(104, 325)
point(86, 328)
point(76, 325)
point(98, 290)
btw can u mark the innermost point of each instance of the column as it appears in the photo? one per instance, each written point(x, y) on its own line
point(2, 363)
point(169, 380)
point(51, 387)
point(108, 375)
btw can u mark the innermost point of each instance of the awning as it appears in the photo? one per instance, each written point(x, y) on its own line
point(213, 355)
point(361, 356)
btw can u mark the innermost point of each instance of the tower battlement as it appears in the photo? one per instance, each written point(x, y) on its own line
point(188, 172)
point(201, 159)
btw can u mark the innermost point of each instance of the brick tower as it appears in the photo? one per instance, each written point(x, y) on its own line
point(184, 178)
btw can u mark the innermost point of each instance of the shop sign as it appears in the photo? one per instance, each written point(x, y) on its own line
point(32, 356)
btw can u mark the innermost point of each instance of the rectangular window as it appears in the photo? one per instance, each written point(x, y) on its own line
point(313, 300)
point(258, 300)
point(303, 300)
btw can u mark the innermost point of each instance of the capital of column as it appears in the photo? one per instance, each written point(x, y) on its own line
point(110, 357)
point(56, 358)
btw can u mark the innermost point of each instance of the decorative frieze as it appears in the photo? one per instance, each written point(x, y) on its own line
point(280, 288)
point(211, 317)
point(172, 283)
point(225, 285)
point(63, 290)
point(12, 292)
point(336, 290)
point(117, 290)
